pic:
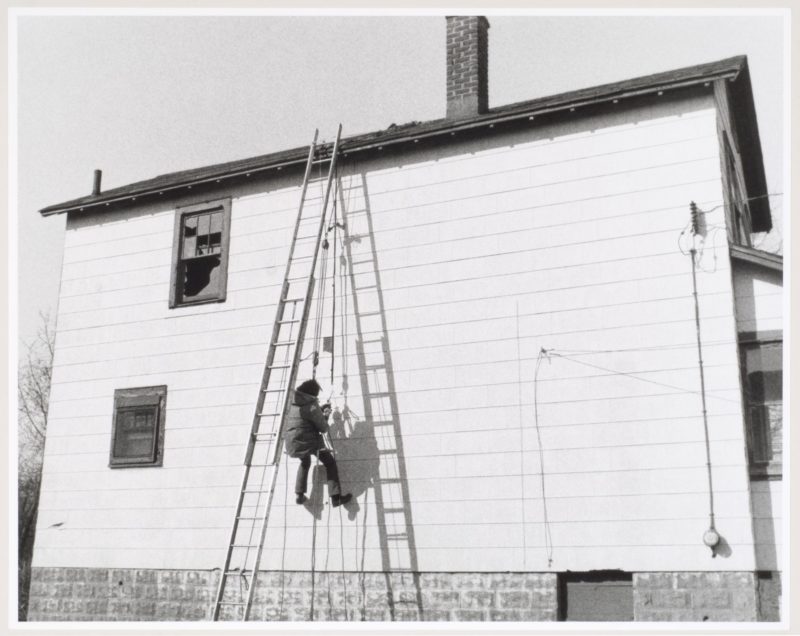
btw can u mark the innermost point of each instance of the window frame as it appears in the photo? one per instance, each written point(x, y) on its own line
point(133, 398)
point(771, 469)
point(176, 292)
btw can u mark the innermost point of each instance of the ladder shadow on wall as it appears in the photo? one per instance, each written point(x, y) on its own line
point(368, 445)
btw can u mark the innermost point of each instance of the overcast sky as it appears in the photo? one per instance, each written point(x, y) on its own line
point(141, 96)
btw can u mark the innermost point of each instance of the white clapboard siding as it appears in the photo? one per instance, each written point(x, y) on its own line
point(461, 264)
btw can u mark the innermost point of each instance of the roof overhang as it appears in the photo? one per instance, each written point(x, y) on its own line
point(755, 256)
point(441, 130)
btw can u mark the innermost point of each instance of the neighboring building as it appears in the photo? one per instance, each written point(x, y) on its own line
point(518, 388)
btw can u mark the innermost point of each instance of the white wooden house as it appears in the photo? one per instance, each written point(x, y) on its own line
point(519, 407)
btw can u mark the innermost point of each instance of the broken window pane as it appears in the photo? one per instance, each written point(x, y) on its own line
point(201, 277)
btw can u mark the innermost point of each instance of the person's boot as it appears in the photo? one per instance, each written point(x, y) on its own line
point(301, 498)
point(338, 500)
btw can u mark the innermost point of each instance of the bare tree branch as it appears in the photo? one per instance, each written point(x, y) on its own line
point(33, 394)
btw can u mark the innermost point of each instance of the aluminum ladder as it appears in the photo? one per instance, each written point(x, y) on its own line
point(393, 515)
point(264, 446)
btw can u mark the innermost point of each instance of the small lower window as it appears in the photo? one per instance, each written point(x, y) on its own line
point(137, 434)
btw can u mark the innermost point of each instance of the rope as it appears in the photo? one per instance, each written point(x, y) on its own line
point(321, 298)
point(313, 549)
point(333, 225)
point(285, 528)
point(320, 307)
point(344, 577)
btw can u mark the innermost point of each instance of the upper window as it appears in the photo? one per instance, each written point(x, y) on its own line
point(137, 433)
point(762, 364)
point(200, 253)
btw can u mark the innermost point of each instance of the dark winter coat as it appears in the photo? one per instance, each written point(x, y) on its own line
point(304, 426)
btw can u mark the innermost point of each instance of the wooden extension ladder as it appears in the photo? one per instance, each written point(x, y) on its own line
point(237, 582)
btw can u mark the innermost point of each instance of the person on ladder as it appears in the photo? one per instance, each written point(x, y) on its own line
point(305, 425)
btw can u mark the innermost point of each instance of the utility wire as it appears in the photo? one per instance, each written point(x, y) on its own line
point(693, 254)
point(522, 443)
point(725, 205)
point(547, 536)
point(632, 375)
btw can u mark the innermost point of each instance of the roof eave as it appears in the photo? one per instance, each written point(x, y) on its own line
point(570, 101)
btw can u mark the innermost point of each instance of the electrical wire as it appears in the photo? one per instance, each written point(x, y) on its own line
point(747, 200)
point(547, 535)
point(703, 398)
point(632, 375)
point(522, 443)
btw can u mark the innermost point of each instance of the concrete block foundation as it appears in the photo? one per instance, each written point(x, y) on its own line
point(96, 594)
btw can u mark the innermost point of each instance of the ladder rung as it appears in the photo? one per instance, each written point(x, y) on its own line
point(389, 480)
point(265, 435)
point(325, 153)
point(397, 536)
point(394, 509)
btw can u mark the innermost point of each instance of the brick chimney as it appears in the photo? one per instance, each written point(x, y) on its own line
point(467, 66)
